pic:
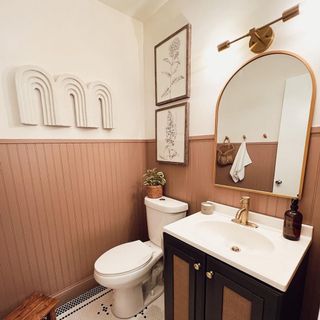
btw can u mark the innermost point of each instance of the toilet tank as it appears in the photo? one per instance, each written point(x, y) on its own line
point(161, 212)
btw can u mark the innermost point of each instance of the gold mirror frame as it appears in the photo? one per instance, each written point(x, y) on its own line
point(307, 141)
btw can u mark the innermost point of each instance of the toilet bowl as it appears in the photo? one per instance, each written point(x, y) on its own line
point(133, 269)
point(136, 265)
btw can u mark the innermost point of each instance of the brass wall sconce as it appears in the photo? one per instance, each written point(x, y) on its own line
point(261, 38)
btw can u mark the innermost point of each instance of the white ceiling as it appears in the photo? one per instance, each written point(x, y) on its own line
point(139, 9)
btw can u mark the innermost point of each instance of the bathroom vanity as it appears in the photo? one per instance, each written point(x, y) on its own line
point(216, 269)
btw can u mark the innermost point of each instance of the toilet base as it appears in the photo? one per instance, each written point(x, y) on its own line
point(155, 294)
point(128, 302)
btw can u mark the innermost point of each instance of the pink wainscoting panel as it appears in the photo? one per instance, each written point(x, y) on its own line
point(62, 204)
point(259, 174)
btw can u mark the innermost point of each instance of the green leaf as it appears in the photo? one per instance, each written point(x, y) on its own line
point(153, 177)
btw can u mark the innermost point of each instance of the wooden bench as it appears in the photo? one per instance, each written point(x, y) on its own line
point(36, 307)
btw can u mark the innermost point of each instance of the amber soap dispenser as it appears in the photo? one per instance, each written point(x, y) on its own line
point(292, 222)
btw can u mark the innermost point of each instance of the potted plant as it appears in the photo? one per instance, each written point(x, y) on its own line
point(154, 181)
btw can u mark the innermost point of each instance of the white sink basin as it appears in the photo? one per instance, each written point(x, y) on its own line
point(233, 236)
point(260, 252)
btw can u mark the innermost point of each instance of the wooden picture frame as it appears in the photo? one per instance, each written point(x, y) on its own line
point(172, 67)
point(172, 134)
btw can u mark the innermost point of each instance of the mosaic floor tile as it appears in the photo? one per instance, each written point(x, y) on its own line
point(96, 305)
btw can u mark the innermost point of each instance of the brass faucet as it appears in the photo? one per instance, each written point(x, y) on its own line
point(243, 213)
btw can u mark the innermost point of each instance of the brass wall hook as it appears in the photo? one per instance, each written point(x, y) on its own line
point(261, 38)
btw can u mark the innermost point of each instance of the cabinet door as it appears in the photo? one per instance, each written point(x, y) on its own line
point(184, 276)
point(227, 300)
point(233, 295)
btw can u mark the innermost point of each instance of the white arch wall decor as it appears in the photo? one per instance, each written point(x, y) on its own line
point(100, 99)
point(72, 95)
point(30, 82)
point(64, 101)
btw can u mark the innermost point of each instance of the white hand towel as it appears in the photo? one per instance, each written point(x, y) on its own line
point(241, 160)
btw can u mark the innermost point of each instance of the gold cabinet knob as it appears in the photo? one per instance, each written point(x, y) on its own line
point(209, 274)
point(197, 266)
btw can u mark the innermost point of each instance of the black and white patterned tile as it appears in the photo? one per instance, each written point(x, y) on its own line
point(96, 304)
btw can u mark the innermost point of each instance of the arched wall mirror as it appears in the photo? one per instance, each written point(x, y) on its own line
point(263, 123)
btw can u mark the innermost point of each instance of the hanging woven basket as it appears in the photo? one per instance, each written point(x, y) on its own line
point(225, 153)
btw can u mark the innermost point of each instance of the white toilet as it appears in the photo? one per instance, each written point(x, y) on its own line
point(134, 269)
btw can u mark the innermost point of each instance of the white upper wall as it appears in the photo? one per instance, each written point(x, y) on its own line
point(95, 42)
point(82, 37)
point(214, 21)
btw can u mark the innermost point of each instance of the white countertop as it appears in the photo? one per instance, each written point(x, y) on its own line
point(275, 263)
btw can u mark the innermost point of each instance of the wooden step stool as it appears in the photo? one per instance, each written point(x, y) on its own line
point(36, 307)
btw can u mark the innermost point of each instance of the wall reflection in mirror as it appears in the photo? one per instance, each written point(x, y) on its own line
point(263, 125)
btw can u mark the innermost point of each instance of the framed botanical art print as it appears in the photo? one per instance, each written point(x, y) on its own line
point(172, 67)
point(172, 134)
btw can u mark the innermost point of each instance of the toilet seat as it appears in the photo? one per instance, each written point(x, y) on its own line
point(123, 259)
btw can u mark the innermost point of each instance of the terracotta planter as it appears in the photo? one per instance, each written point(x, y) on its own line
point(154, 191)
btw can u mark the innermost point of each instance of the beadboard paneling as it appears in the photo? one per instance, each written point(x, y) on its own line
point(194, 184)
point(260, 173)
point(62, 204)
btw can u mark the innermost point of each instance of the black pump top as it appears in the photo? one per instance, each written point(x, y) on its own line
point(294, 205)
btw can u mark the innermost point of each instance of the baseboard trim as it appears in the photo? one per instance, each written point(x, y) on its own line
point(75, 290)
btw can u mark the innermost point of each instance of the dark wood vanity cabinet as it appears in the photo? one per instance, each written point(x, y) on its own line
point(184, 280)
point(200, 287)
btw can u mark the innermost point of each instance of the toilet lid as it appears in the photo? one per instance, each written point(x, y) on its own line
point(124, 258)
